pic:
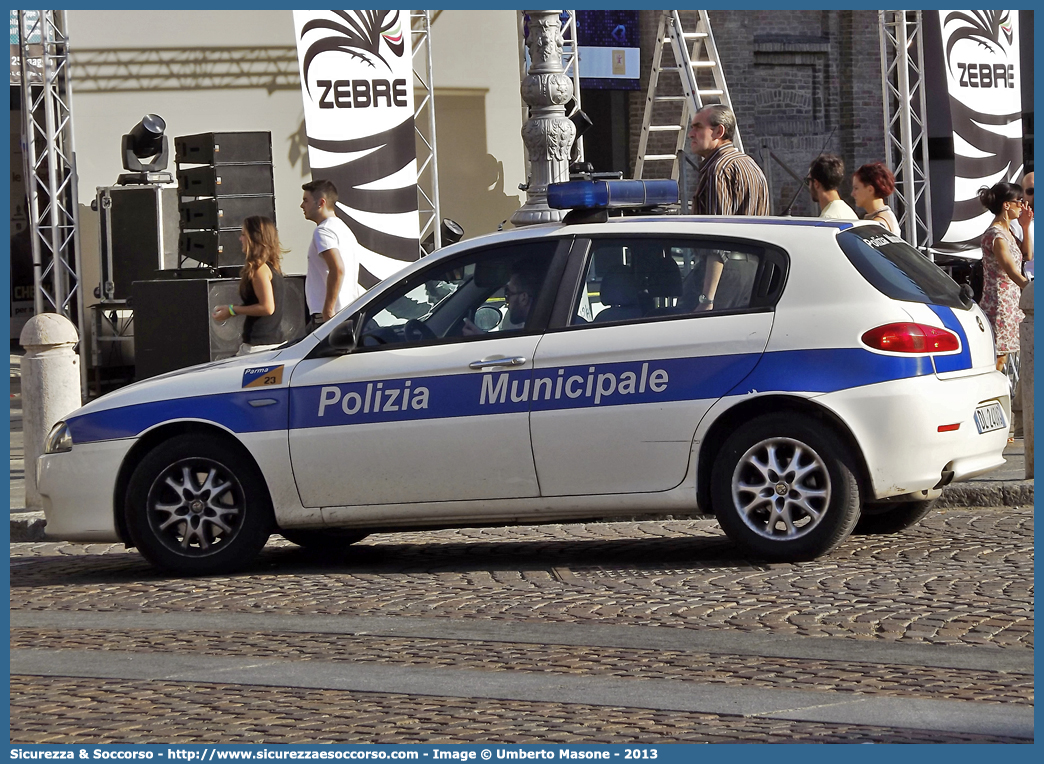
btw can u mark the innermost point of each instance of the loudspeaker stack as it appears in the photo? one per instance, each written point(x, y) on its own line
point(222, 179)
point(174, 328)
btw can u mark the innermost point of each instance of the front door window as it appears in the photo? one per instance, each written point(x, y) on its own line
point(486, 293)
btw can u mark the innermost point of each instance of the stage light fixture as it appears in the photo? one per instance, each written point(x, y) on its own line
point(452, 232)
point(146, 141)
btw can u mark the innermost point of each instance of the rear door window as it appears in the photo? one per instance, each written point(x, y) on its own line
point(897, 270)
point(640, 277)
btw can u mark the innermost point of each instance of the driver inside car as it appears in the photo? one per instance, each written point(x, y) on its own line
point(519, 294)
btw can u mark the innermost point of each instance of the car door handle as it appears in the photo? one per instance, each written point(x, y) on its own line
point(489, 363)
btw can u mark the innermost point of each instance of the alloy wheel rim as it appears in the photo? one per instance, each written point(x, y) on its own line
point(781, 489)
point(195, 507)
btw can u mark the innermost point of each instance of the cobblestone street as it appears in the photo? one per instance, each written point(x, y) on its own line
point(649, 632)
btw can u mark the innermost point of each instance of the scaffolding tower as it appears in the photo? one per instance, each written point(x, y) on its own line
point(571, 69)
point(424, 123)
point(905, 122)
point(50, 168)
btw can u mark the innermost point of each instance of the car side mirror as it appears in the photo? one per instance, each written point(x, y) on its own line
point(487, 318)
point(342, 338)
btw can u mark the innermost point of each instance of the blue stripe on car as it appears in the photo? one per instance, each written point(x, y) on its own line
point(957, 361)
point(829, 370)
point(231, 410)
point(501, 392)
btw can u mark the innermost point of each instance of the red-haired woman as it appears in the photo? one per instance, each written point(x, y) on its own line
point(261, 288)
point(1002, 255)
point(871, 185)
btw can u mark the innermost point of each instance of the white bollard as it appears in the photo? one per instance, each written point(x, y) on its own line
point(50, 386)
point(1026, 373)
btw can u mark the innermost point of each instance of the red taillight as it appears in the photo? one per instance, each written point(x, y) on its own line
point(911, 338)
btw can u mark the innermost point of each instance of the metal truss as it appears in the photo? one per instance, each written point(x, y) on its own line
point(906, 131)
point(571, 68)
point(149, 69)
point(424, 123)
point(50, 171)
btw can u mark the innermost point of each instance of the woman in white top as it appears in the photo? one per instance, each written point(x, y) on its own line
point(871, 185)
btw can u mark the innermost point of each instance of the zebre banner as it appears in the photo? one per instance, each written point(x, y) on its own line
point(357, 84)
point(981, 62)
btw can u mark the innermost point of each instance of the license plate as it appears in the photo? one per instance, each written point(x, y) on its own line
point(989, 418)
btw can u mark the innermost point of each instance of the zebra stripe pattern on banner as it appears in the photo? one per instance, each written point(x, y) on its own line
point(984, 85)
point(374, 158)
point(357, 85)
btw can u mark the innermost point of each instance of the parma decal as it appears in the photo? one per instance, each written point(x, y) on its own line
point(263, 376)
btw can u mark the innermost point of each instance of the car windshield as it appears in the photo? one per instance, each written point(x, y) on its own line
point(464, 297)
point(898, 270)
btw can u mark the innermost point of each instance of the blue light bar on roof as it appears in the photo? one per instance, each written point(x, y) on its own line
point(606, 194)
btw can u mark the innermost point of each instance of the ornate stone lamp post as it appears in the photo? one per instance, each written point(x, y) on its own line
point(548, 134)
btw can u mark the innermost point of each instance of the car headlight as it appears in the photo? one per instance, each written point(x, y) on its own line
point(59, 439)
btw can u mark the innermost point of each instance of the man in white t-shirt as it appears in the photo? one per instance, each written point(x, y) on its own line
point(332, 280)
point(824, 178)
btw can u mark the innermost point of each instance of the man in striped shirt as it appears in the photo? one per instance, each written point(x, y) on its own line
point(729, 183)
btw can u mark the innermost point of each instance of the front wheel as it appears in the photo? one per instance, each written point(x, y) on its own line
point(784, 487)
point(197, 506)
point(892, 516)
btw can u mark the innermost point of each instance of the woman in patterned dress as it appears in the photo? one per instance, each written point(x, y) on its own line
point(1002, 256)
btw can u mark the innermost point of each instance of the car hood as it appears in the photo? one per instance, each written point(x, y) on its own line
point(207, 379)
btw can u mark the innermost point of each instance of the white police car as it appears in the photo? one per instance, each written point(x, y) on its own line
point(795, 378)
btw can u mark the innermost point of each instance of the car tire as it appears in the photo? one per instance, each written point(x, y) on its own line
point(324, 541)
point(891, 516)
point(784, 487)
point(197, 506)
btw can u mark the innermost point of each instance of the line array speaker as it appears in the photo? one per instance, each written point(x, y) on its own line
point(224, 212)
point(233, 181)
point(216, 248)
point(226, 180)
point(223, 148)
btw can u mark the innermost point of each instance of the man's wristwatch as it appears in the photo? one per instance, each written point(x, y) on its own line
point(704, 299)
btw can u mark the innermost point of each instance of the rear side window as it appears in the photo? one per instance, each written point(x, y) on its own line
point(897, 270)
point(642, 277)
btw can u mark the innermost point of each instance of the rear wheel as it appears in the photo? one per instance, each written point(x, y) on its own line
point(324, 541)
point(784, 487)
point(196, 506)
point(892, 516)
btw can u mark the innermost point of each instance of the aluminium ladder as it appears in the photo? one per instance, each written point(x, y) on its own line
point(694, 52)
